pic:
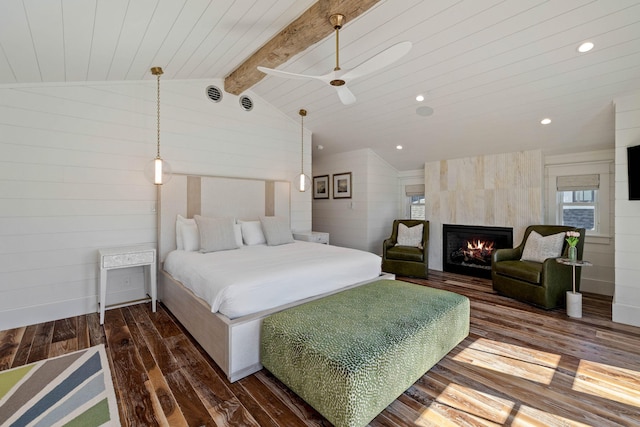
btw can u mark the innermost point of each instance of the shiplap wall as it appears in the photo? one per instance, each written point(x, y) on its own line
point(626, 299)
point(502, 190)
point(363, 221)
point(382, 185)
point(71, 179)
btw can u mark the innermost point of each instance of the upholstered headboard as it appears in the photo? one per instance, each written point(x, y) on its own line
point(212, 196)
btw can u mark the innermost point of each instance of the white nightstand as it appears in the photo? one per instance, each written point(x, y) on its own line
point(125, 257)
point(312, 236)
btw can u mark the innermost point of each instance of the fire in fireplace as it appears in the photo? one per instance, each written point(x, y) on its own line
point(467, 249)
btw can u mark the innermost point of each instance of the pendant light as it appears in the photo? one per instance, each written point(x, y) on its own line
point(304, 181)
point(158, 171)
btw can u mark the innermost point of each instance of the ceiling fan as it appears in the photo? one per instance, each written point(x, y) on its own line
point(338, 78)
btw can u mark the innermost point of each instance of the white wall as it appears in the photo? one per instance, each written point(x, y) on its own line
point(503, 190)
point(71, 179)
point(382, 184)
point(363, 221)
point(598, 249)
point(626, 299)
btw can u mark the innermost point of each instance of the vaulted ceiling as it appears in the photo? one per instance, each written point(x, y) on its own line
point(489, 69)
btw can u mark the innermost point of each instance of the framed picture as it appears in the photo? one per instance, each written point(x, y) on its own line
point(342, 185)
point(321, 187)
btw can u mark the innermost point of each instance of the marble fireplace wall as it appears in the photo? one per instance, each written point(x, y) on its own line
point(504, 190)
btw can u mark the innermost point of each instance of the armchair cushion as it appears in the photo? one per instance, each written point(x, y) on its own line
point(405, 253)
point(522, 270)
point(538, 247)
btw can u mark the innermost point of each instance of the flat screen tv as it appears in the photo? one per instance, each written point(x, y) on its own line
point(633, 159)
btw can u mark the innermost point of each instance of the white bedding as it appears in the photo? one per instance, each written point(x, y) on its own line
point(255, 278)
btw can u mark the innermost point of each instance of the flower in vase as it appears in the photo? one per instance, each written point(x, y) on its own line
point(572, 238)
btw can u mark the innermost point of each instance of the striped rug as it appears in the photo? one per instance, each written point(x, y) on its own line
point(70, 390)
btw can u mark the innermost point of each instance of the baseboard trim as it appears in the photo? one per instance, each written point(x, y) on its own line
point(627, 314)
point(32, 315)
point(594, 286)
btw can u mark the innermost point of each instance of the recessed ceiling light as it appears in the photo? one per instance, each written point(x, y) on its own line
point(585, 47)
point(398, 147)
point(420, 98)
point(545, 121)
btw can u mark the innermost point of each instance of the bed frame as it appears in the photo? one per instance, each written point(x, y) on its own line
point(233, 344)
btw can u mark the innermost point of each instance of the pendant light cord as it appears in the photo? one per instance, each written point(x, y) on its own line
point(157, 71)
point(302, 113)
point(158, 98)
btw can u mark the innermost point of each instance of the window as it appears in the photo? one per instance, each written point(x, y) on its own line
point(578, 208)
point(577, 201)
point(579, 194)
point(416, 207)
point(415, 200)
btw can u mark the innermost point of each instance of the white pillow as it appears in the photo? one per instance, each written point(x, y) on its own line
point(187, 237)
point(216, 234)
point(191, 237)
point(237, 230)
point(276, 230)
point(537, 248)
point(410, 236)
point(252, 233)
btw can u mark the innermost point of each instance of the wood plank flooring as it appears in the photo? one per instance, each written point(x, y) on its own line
point(520, 366)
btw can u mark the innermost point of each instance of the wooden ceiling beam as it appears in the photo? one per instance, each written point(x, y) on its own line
point(310, 28)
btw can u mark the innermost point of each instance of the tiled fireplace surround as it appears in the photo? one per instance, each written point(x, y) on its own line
point(502, 190)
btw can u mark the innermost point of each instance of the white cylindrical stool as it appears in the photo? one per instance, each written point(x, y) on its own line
point(574, 304)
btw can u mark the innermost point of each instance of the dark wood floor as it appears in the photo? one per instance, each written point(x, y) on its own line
point(519, 366)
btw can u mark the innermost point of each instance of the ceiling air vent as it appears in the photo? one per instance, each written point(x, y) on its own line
point(246, 103)
point(214, 93)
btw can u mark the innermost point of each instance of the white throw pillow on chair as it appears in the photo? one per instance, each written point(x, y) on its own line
point(537, 248)
point(410, 236)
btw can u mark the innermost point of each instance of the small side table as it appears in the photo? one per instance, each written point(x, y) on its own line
point(312, 236)
point(125, 257)
point(574, 299)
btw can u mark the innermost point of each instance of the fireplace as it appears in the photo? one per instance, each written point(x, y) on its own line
point(467, 249)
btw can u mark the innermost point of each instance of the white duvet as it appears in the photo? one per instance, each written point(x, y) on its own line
point(255, 278)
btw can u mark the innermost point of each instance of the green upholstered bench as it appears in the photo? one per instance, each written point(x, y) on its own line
point(349, 355)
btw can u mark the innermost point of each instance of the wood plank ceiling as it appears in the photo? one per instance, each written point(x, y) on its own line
point(489, 69)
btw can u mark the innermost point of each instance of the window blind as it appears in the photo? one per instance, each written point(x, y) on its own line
point(414, 190)
point(578, 182)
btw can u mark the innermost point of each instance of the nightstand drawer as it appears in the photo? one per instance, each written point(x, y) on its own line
point(319, 238)
point(128, 259)
point(312, 236)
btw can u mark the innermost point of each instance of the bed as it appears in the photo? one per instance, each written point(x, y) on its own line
point(221, 297)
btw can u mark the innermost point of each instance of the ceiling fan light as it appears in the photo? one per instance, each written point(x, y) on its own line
point(545, 121)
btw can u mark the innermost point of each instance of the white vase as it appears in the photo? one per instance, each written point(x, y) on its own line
point(574, 304)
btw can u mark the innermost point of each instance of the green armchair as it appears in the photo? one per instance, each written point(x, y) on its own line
point(406, 260)
point(541, 284)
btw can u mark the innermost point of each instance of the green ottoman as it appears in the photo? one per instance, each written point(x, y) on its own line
point(351, 354)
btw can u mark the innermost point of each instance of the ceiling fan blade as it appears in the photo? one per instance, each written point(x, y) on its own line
point(287, 75)
point(380, 60)
point(345, 95)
